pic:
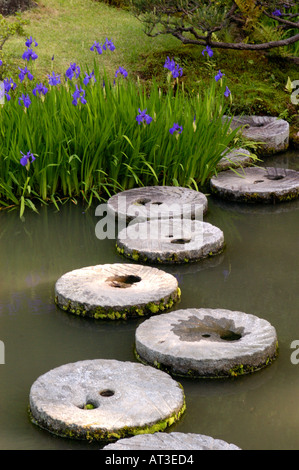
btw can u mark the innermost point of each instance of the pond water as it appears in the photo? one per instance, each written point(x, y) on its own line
point(257, 273)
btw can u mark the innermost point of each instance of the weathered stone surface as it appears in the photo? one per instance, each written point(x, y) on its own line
point(269, 185)
point(157, 241)
point(271, 131)
point(114, 291)
point(105, 400)
point(235, 159)
point(157, 202)
point(206, 342)
point(171, 441)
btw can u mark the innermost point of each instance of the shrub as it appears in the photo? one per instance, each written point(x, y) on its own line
point(9, 7)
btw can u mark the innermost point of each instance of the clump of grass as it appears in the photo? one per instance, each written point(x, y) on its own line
point(96, 147)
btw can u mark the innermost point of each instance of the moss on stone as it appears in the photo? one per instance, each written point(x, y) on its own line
point(101, 313)
point(236, 371)
point(84, 433)
point(173, 259)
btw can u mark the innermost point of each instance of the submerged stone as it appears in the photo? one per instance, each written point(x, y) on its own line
point(178, 241)
point(267, 185)
point(105, 400)
point(271, 132)
point(116, 291)
point(161, 202)
point(171, 441)
point(206, 342)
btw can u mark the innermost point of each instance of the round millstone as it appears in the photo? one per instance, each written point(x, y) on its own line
point(153, 202)
point(105, 400)
point(237, 158)
point(206, 342)
point(271, 132)
point(178, 241)
point(170, 441)
point(268, 185)
point(116, 291)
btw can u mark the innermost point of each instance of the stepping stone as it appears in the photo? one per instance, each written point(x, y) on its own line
point(206, 343)
point(171, 441)
point(158, 241)
point(272, 132)
point(235, 159)
point(116, 291)
point(105, 400)
point(162, 202)
point(268, 185)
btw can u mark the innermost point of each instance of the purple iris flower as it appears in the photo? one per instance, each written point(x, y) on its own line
point(176, 128)
point(177, 71)
point(143, 117)
point(40, 89)
point(26, 158)
point(276, 12)
point(88, 78)
point(54, 79)
point(174, 68)
point(1, 63)
point(122, 71)
point(30, 41)
point(9, 84)
point(109, 44)
point(73, 69)
point(29, 54)
point(208, 50)
point(26, 100)
point(24, 72)
point(227, 92)
point(219, 76)
point(98, 47)
point(8, 97)
point(79, 94)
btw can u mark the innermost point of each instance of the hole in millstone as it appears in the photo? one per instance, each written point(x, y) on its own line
point(256, 124)
point(89, 405)
point(106, 393)
point(123, 282)
point(142, 202)
point(157, 203)
point(230, 336)
point(275, 177)
point(258, 181)
point(180, 241)
point(195, 329)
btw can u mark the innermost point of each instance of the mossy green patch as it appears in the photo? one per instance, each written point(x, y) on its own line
point(103, 435)
point(102, 313)
point(236, 371)
point(172, 259)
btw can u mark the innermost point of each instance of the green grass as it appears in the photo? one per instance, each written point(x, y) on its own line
point(67, 28)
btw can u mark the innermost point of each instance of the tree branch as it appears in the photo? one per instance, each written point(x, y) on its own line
point(238, 46)
point(281, 20)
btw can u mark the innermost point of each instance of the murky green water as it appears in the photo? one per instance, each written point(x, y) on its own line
point(257, 273)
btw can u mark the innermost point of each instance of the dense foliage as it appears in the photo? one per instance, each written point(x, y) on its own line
point(209, 22)
point(87, 136)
